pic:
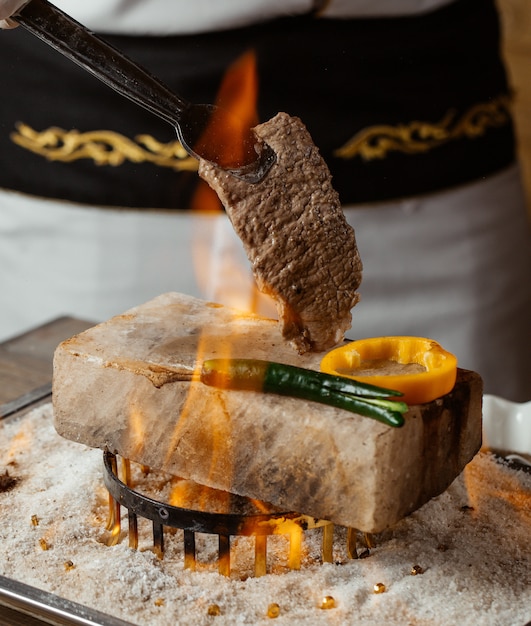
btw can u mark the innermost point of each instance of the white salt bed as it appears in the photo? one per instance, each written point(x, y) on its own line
point(472, 543)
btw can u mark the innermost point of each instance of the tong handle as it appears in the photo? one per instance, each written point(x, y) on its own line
point(102, 60)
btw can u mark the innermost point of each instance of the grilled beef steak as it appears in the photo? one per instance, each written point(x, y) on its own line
point(302, 251)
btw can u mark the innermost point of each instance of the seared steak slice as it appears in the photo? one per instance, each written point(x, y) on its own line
point(302, 251)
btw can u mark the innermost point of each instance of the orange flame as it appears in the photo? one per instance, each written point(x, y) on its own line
point(205, 198)
point(226, 279)
point(239, 90)
point(228, 136)
point(191, 495)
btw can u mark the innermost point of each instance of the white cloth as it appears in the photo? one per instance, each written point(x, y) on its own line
point(59, 258)
point(179, 17)
point(453, 266)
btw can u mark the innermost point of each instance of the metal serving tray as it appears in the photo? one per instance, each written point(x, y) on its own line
point(49, 608)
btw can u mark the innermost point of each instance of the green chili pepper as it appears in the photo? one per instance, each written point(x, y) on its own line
point(297, 382)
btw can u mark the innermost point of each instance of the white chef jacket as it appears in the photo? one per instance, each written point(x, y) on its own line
point(179, 17)
point(453, 265)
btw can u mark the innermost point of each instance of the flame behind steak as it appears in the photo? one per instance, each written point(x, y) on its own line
point(302, 251)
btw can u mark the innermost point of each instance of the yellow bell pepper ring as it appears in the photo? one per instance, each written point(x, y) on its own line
point(416, 366)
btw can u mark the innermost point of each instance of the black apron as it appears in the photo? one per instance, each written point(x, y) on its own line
point(397, 106)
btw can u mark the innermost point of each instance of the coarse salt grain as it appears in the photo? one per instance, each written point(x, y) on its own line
point(483, 520)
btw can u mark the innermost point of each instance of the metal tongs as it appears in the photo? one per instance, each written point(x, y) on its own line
point(126, 77)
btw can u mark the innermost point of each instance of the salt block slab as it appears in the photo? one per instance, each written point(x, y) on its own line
point(125, 386)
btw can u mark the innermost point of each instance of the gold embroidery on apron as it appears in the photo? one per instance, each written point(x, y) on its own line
point(104, 147)
point(375, 142)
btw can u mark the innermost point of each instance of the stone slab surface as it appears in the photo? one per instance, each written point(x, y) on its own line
point(125, 385)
